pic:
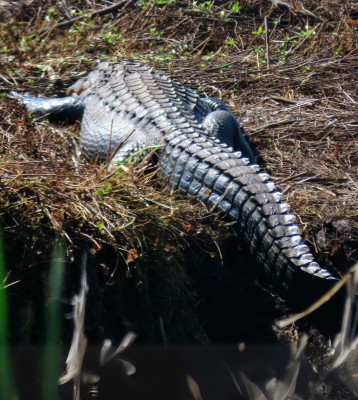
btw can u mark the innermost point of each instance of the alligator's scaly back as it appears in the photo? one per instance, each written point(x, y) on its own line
point(127, 107)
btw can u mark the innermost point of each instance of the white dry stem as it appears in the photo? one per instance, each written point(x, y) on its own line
point(79, 341)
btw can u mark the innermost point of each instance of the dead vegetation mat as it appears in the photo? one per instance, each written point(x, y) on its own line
point(46, 187)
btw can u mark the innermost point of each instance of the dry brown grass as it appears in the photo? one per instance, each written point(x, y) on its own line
point(46, 187)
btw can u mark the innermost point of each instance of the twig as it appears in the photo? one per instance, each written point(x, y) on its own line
point(283, 99)
point(296, 8)
point(103, 11)
point(292, 177)
point(322, 300)
point(267, 44)
point(301, 104)
point(349, 97)
point(274, 124)
point(64, 8)
point(350, 178)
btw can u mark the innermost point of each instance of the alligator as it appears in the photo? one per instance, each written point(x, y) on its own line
point(127, 107)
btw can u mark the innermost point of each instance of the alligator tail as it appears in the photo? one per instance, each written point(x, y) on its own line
point(225, 182)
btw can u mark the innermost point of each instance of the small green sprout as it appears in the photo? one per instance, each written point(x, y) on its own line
point(259, 31)
point(235, 8)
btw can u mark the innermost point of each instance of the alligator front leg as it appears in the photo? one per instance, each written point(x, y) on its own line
point(43, 106)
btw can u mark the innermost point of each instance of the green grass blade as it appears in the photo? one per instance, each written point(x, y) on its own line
point(6, 382)
point(52, 354)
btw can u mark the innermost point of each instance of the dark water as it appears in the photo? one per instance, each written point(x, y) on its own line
point(204, 325)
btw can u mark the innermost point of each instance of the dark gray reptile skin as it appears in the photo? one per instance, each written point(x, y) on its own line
point(127, 107)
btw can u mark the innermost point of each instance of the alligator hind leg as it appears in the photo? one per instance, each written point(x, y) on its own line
point(223, 125)
point(69, 106)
